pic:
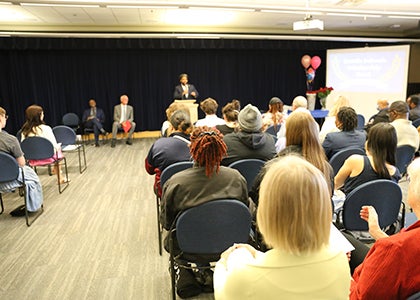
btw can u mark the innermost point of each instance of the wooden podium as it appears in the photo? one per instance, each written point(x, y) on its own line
point(193, 108)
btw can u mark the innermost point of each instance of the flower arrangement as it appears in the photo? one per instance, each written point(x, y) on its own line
point(323, 92)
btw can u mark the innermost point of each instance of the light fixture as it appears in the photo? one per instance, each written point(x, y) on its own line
point(308, 22)
point(58, 5)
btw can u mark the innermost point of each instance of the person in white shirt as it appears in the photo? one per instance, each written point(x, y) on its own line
point(406, 133)
point(35, 126)
point(209, 107)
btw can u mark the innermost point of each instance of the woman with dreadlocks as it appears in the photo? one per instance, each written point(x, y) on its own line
point(204, 182)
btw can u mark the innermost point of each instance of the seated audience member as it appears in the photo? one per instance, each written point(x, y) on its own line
point(209, 107)
point(123, 118)
point(299, 104)
point(94, 118)
point(35, 126)
point(274, 115)
point(10, 145)
point(183, 90)
point(406, 132)
point(301, 139)
point(173, 107)
point(230, 114)
point(329, 123)
point(390, 269)
point(413, 104)
point(168, 150)
point(378, 163)
point(382, 116)
point(249, 141)
point(301, 264)
point(205, 182)
point(347, 137)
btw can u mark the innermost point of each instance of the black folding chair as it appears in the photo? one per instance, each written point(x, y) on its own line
point(67, 137)
point(9, 173)
point(37, 148)
point(201, 241)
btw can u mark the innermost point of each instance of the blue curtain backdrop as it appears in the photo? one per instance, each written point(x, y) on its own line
point(62, 74)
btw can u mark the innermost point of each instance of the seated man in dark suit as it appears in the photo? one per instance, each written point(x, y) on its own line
point(94, 117)
point(381, 116)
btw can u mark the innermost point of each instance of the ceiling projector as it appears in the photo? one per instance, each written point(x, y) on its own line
point(308, 23)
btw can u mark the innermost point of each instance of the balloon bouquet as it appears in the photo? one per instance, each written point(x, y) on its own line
point(310, 65)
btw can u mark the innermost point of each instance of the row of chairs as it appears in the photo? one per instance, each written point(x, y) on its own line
point(384, 195)
point(39, 148)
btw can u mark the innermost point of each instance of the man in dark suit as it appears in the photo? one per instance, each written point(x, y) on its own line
point(381, 116)
point(185, 91)
point(413, 102)
point(94, 117)
point(123, 118)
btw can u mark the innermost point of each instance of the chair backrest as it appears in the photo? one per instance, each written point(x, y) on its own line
point(338, 159)
point(212, 227)
point(403, 157)
point(360, 122)
point(384, 195)
point(36, 148)
point(172, 169)
point(64, 135)
point(416, 122)
point(273, 129)
point(9, 170)
point(249, 168)
point(71, 119)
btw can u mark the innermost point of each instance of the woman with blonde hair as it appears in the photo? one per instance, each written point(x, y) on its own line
point(294, 217)
point(301, 139)
point(35, 126)
point(329, 123)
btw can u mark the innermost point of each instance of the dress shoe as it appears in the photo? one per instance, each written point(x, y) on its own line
point(96, 144)
point(129, 142)
point(19, 211)
point(113, 143)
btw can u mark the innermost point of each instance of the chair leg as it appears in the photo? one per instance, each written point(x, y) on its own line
point(158, 224)
point(172, 266)
point(82, 168)
point(25, 202)
point(66, 184)
point(1, 203)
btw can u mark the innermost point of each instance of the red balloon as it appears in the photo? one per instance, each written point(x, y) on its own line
point(306, 61)
point(315, 62)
